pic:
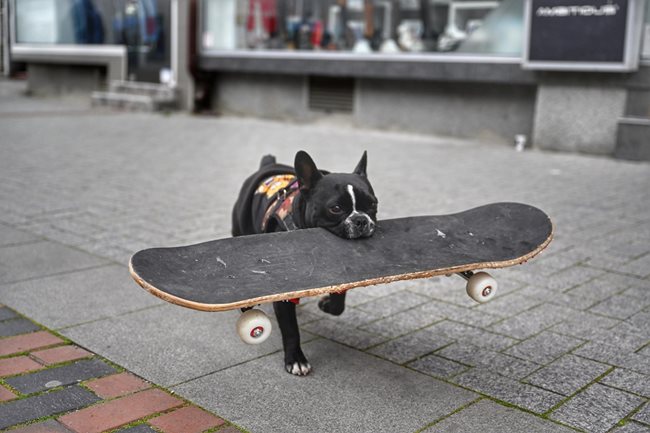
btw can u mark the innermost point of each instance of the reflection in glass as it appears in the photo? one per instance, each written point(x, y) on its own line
point(363, 26)
point(141, 25)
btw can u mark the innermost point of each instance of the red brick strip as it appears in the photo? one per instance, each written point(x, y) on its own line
point(186, 420)
point(5, 394)
point(117, 385)
point(17, 365)
point(25, 342)
point(116, 413)
point(61, 354)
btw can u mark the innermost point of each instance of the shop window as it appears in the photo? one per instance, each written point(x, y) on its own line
point(143, 26)
point(364, 26)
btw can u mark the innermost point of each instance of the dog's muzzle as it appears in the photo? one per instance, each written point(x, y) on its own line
point(359, 225)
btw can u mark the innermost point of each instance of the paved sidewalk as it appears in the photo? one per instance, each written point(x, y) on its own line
point(563, 347)
point(48, 385)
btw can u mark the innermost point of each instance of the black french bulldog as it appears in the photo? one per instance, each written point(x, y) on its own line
point(279, 198)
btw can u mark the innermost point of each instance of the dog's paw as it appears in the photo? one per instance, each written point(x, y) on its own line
point(298, 368)
point(333, 308)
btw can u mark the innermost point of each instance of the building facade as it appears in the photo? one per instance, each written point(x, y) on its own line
point(567, 75)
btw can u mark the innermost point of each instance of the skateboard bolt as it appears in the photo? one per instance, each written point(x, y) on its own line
point(487, 291)
point(257, 332)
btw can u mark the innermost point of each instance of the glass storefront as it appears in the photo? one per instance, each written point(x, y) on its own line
point(493, 27)
point(143, 26)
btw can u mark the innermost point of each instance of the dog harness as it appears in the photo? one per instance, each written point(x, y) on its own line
point(279, 193)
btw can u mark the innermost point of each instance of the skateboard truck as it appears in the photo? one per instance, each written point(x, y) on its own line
point(481, 286)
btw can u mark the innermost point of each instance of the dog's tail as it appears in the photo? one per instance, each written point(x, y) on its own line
point(267, 160)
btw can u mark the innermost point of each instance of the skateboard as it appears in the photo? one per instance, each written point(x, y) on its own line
point(246, 271)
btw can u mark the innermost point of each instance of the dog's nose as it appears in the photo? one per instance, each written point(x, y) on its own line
point(361, 223)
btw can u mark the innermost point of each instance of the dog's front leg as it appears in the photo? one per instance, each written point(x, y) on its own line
point(294, 360)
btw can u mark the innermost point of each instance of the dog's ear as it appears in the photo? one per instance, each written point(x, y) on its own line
point(361, 166)
point(308, 174)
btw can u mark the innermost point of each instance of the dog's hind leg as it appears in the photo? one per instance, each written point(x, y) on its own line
point(333, 303)
point(295, 361)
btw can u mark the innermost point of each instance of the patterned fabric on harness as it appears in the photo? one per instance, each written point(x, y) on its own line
point(279, 192)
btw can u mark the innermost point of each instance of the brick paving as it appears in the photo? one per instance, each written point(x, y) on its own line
point(567, 339)
point(67, 389)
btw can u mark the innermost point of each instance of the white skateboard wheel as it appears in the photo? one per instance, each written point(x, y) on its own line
point(481, 287)
point(254, 327)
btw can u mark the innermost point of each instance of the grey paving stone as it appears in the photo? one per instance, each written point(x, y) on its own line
point(17, 326)
point(472, 335)
point(392, 304)
point(544, 347)
point(643, 415)
point(638, 267)
point(404, 322)
point(641, 292)
point(509, 305)
point(49, 426)
point(12, 236)
point(606, 353)
point(604, 287)
point(597, 409)
point(60, 376)
point(142, 428)
point(541, 293)
point(487, 416)
point(632, 427)
point(39, 259)
point(628, 381)
point(620, 307)
point(78, 297)
point(487, 360)
point(7, 313)
point(170, 344)
point(526, 396)
point(639, 323)
point(585, 325)
point(348, 391)
point(533, 321)
point(19, 411)
point(567, 374)
point(354, 337)
point(568, 278)
point(411, 346)
point(439, 367)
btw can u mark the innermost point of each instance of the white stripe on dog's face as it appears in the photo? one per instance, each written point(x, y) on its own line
point(348, 221)
point(354, 199)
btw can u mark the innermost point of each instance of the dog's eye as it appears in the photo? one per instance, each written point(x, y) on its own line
point(336, 209)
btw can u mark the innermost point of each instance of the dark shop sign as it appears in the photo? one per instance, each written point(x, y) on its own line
point(583, 35)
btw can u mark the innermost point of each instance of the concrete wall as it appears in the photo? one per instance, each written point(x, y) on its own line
point(474, 110)
point(262, 95)
point(578, 116)
point(51, 79)
point(490, 111)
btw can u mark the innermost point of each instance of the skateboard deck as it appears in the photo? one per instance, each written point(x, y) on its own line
point(245, 271)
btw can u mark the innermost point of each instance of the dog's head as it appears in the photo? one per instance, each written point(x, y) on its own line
point(343, 203)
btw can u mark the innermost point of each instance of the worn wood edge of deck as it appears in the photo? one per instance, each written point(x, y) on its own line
point(336, 288)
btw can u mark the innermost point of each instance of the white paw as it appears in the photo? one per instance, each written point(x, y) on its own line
point(299, 368)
